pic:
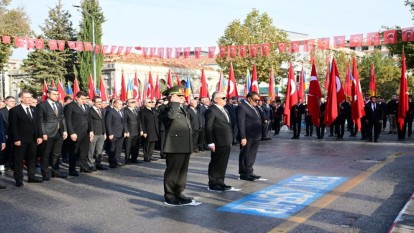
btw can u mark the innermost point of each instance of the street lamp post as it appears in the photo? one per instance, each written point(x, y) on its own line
point(93, 43)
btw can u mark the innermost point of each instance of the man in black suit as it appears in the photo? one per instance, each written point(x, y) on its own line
point(267, 118)
point(202, 108)
point(97, 119)
point(231, 109)
point(133, 132)
point(320, 131)
point(296, 113)
point(6, 158)
point(114, 120)
point(374, 115)
point(25, 135)
point(219, 139)
point(149, 122)
point(53, 131)
point(80, 133)
point(178, 147)
point(195, 123)
point(278, 114)
point(249, 122)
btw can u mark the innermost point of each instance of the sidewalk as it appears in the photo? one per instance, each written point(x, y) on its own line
point(405, 219)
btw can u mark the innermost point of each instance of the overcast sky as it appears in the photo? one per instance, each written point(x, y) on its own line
point(179, 23)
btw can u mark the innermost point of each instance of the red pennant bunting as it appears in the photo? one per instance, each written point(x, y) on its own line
point(71, 44)
point(160, 52)
point(79, 46)
point(242, 50)
point(232, 51)
point(323, 43)
point(120, 50)
point(197, 52)
point(339, 42)
point(308, 45)
point(356, 40)
point(169, 52)
point(18, 42)
point(223, 50)
point(145, 51)
point(294, 46)
point(390, 37)
point(61, 45)
point(152, 51)
point(53, 45)
point(40, 44)
point(128, 50)
point(5, 39)
point(30, 43)
point(187, 52)
point(282, 47)
point(98, 49)
point(407, 34)
point(178, 52)
point(104, 48)
point(265, 49)
point(253, 50)
point(373, 38)
point(87, 46)
point(211, 51)
point(113, 49)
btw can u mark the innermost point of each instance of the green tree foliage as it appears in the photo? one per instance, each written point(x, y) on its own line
point(256, 29)
point(13, 22)
point(90, 8)
point(48, 65)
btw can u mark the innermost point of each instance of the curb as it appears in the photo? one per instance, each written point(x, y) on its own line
point(400, 217)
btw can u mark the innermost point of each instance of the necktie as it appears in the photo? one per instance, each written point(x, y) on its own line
point(54, 108)
point(135, 112)
point(82, 107)
point(225, 113)
point(99, 112)
point(120, 113)
point(28, 112)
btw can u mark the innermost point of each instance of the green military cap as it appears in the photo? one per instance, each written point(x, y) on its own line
point(178, 90)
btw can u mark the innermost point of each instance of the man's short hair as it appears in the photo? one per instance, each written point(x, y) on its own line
point(251, 94)
point(50, 89)
point(9, 97)
point(81, 93)
point(24, 92)
point(95, 98)
point(67, 98)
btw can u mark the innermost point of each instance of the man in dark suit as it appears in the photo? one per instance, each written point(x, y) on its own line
point(2, 143)
point(278, 114)
point(114, 121)
point(6, 158)
point(133, 132)
point(178, 147)
point(80, 133)
point(267, 118)
point(219, 139)
point(231, 109)
point(202, 108)
point(25, 134)
point(195, 123)
point(320, 131)
point(296, 113)
point(97, 119)
point(374, 116)
point(249, 122)
point(53, 131)
point(150, 130)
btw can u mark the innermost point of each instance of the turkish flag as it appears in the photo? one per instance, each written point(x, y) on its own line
point(169, 52)
point(331, 112)
point(61, 45)
point(314, 95)
point(18, 42)
point(91, 88)
point(242, 50)
point(272, 93)
point(203, 88)
point(407, 34)
point(102, 90)
point(232, 51)
point(231, 84)
point(87, 46)
point(53, 45)
point(220, 86)
point(145, 51)
point(104, 48)
point(76, 88)
point(357, 98)
point(308, 45)
point(5, 39)
point(72, 45)
point(301, 91)
point(177, 79)
point(372, 82)
point(119, 50)
point(323, 43)
point(44, 91)
point(255, 85)
point(294, 46)
point(348, 84)
point(30, 43)
point(356, 40)
point(40, 44)
point(113, 49)
point(253, 50)
point(152, 51)
point(61, 91)
point(373, 38)
point(291, 95)
point(161, 52)
point(135, 93)
point(340, 93)
point(169, 79)
point(149, 89)
point(211, 51)
point(52, 84)
point(339, 42)
point(390, 37)
point(282, 47)
point(265, 49)
point(128, 50)
point(98, 49)
point(403, 100)
point(178, 52)
point(222, 52)
point(197, 52)
point(123, 95)
point(187, 51)
point(157, 93)
point(79, 45)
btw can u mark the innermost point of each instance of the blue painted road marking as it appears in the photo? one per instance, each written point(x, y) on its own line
point(285, 198)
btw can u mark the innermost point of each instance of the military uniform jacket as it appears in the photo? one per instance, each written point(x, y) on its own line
point(178, 130)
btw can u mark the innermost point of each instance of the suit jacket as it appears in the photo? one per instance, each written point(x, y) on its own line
point(201, 108)
point(114, 123)
point(231, 109)
point(77, 120)
point(132, 124)
point(160, 110)
point(2, 132)
point(218, 128)
point(22, 127)
point(50, 123)
point(149, 122)
point(194, 119)
point(177, 124)
point(97, 121)
point(248, 122)
point(5, 116)
point(373, 116)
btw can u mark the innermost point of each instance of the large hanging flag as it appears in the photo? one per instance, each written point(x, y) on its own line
point(314, 95)
point(44, 91)
point(188, 90)
point(150, 87)
point(69, 89)
point(340, 94)
point(403, 100)
point(157, 92)
point(123, 94)
point(135, 94)
point(76, 88)
point(61, 91)
point(272, 93)
point(169, 80)
point(91, 88)
point(248, 83)
point(331, 112)
point(357, 97)
point(301, 91)
point(328, 70)
point(291, 95)
point(231, 84)
point(348, 85)
point(255, 84)
point(372, 82)
point(203, 88)
point(102, 90)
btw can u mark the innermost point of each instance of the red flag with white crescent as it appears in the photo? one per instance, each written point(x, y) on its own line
point(44, 91)
point(291, 95)
point(403, 100)
point(314, 95)
point(231, 84)
point(255, 85)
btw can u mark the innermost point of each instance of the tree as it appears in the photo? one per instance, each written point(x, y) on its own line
point(48, 65)
point(13, 22)
point(396, 49)
point(90, 8)
point(256, 29)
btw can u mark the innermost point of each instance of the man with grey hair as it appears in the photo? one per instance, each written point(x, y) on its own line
point(219, 138)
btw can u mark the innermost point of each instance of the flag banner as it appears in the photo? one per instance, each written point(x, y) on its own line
point(372, 82)
point(231, 84)
point(169, 80)
point(169, 52)
point(294, 46)
point(254, 85)
point(119, 50)
point(339, 42)
point(160, 52)
point(18, 42)
point(253, 50)
point(373, 38)
point(102, 90)
point(187, 52)
point(178, 52)
point(72, 45)
point(390, 37)
point(87, 46)
point(291, 95)
point(203, 89)
point(356, 40)
point(323, 43)
point(104, 48)
point(197, 52)
point(407, 34)
point(232, 51)
point(314, 95)
point(5, 39)
point(98, 49)
point(242, 51)
point(61, 45)
point(308, 45)
point(152, 51)
point(79, 46)
point(123, 95)
point(282, 47)
point(222, 51)
point(44, 91)
point(403, 98)
point(53, 45)
point(40, 43)
point(30, 43)
point(128, 50)
point(145, 51)
point(113, 49)
point(211, 51)
point(271, 90)
point(265, 49)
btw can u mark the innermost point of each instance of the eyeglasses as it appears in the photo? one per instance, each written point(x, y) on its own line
point(256, 100)
point(223, 98)
point(150, 102)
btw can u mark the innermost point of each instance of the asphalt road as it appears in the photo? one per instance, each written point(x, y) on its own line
point(380, 179)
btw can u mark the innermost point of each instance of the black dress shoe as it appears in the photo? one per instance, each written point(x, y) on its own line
point(247, 177)
point(34, 180)
point(154, 159)
point(113, 165)
point(172, 201)
point(74, 173)
point(85, 170)
point(93, 168)
point(216, 187)
point(19, 184)
point(226, 187)
point(183, 199)
point(255, 176)
point(46, 178)
point(147, 160)
point(59, 176)
point(136, 161)
point(101, 168)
